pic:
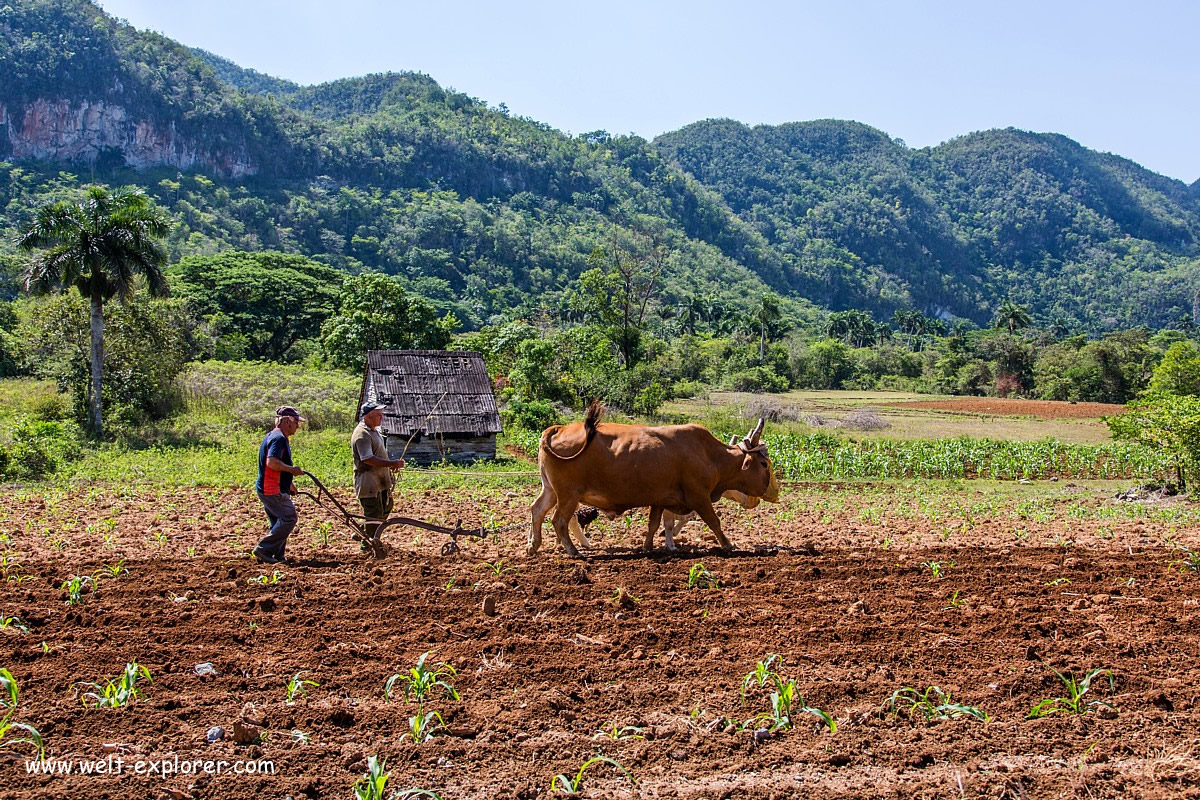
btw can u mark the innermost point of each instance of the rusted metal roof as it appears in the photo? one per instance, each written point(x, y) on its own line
point(436, 392)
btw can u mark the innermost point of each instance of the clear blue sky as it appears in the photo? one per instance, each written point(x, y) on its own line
point(1116, 76)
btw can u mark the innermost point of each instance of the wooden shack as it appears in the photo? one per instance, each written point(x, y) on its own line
point(439, 403)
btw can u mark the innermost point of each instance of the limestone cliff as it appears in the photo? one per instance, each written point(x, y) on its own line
point(59, 130)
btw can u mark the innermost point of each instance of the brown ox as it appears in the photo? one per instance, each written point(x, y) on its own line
point(677, 468)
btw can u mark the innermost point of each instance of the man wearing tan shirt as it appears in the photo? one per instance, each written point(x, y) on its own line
point(373, 479)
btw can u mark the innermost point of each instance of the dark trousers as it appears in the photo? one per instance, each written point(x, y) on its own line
point(379, 507)
point(282, 514)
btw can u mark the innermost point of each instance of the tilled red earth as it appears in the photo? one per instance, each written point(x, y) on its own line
point(852, 619)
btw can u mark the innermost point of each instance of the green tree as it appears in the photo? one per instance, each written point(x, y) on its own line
point(100, 246)
point(146, 345)
point(1179, 371)
point(376, 313)
point(766, 315)
point(269, 301)
point(616, 293)
point(1168, 422)
point(1011, 316)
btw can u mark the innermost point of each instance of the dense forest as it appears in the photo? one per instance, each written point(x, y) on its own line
point(494, 217)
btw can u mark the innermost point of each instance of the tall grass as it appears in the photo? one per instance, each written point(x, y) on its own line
point(246, 393)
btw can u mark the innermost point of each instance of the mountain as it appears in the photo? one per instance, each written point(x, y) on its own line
point(1032, 217)
point(488, 214)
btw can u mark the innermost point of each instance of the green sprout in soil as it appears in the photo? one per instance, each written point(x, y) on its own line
point(118, 692)
point(420, 681)
point(569, 785)
point(74, 586)
point(1188, 561)
point(9, 700)
point(423, 726)
point(785, 698)
point(297, 687)
point(1073, 702)
point(614, 732)
point(498, 568)
point(13, 622)
point(933, 703)
point(115, 569)
point(373, 785)
point(699, 577)
point(266, 580)
point(938, 569)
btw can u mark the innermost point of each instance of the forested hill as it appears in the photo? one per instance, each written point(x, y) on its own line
point(490, 214)
point(1005, 213)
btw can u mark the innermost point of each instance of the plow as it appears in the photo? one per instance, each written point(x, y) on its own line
point(357, 523)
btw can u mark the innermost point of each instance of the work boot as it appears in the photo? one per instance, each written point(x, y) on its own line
point(266, 558)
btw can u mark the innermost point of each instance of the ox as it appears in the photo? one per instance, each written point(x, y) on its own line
point(676, 468)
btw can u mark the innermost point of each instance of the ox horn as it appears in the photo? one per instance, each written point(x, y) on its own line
point(757, 432)
point(733, 440)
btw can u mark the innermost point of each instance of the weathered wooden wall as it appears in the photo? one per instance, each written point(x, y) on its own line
point(432, 449)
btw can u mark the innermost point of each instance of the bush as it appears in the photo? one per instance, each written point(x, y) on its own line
point(758, 379)
point(688, 388)
point(531, 415)
point(36, 449)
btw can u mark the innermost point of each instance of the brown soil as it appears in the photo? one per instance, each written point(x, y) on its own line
point(1016, 407)
point(853, 622)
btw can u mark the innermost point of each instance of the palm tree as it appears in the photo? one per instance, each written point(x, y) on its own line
point(766, 313)
point(99, 246)
point(692, 307)
point(1012, 316)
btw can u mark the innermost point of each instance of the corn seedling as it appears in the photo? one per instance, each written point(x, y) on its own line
point(299, 737)
point(699, 577)
point(116, 569)
point(159, 538)
point(623, 598)
point(297, 687)
point(1073, 702)
point(955, 602)
point(569, 785)
point(119, 692)
point(761, 675)
point(618, 733)
point(74, 586)
point(9, 699)
point(498, 568)
point(373, 785)
point(933, 703)
point(13, 622)
point(786, 700)
point(266, 580)
point(937, 569)
point(423, 726)
point(9, 566)
point(1188, 561)
point(421, 680)
point(324, 533)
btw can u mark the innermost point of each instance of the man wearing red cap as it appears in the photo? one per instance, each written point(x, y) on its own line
point(274, 485)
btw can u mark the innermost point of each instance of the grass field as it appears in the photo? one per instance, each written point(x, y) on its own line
point(903, 423)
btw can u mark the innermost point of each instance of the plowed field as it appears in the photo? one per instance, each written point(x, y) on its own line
point(1017, 407)
point(840, 582)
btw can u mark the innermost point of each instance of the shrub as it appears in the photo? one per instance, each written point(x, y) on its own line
point(248, 392)
point(758, 379)
point(532, 415)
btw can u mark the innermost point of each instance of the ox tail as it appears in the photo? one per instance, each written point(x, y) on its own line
point(595, 412)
